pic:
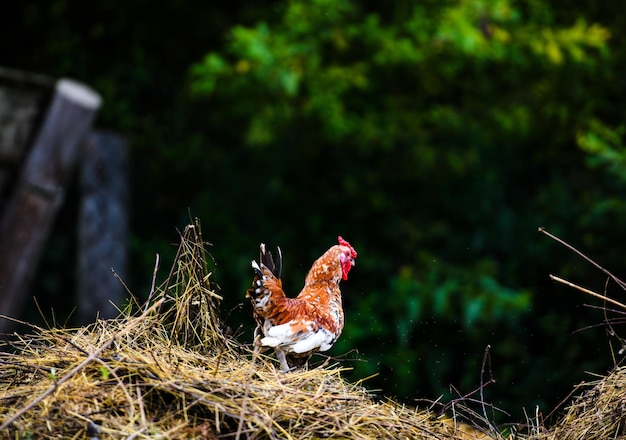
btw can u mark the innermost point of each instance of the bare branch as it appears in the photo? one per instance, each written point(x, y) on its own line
point(586, 258)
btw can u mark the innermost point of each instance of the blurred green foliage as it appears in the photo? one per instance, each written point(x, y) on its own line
point(448, 130)
point(435, 136)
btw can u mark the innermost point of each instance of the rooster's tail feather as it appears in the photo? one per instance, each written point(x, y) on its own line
point(267, 260)
point(267, 279)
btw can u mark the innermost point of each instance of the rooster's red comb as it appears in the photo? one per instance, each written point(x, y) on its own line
point(343, 242)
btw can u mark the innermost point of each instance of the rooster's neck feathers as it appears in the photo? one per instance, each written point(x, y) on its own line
point(326, 268)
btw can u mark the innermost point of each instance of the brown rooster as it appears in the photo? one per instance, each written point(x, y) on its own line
point(298, 327)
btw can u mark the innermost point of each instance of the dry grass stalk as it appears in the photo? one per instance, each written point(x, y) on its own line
point(598, 413)
point(168, 371)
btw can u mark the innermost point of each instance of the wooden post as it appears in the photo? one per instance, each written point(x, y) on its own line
point(102, 225)
point(26, 223)
point(23, 99)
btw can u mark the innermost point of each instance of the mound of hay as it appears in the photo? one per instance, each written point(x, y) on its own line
point(598, 413)
point(167, 370)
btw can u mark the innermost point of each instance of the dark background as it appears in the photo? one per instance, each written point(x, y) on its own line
point(435, 136)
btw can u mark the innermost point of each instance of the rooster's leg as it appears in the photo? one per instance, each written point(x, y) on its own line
point(283, 360)
point(257, 347)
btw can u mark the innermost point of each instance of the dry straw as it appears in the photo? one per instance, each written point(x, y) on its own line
point(598, 413)
point(167, 370)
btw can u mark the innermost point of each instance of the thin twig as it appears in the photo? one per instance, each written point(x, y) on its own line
point(19, 321)
point(466, 397)
point(115, 274)
point(67, 341)
point(486, 360)
point(587, 291)
point(586, 258)
point(152, 286)
point(43, 316)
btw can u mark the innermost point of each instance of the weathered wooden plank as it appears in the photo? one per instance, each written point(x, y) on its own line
point(24, 98)
point(29, 214)
point(102, 225)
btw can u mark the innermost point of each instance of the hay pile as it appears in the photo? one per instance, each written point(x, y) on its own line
point(167, 370)
point(597, 413)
